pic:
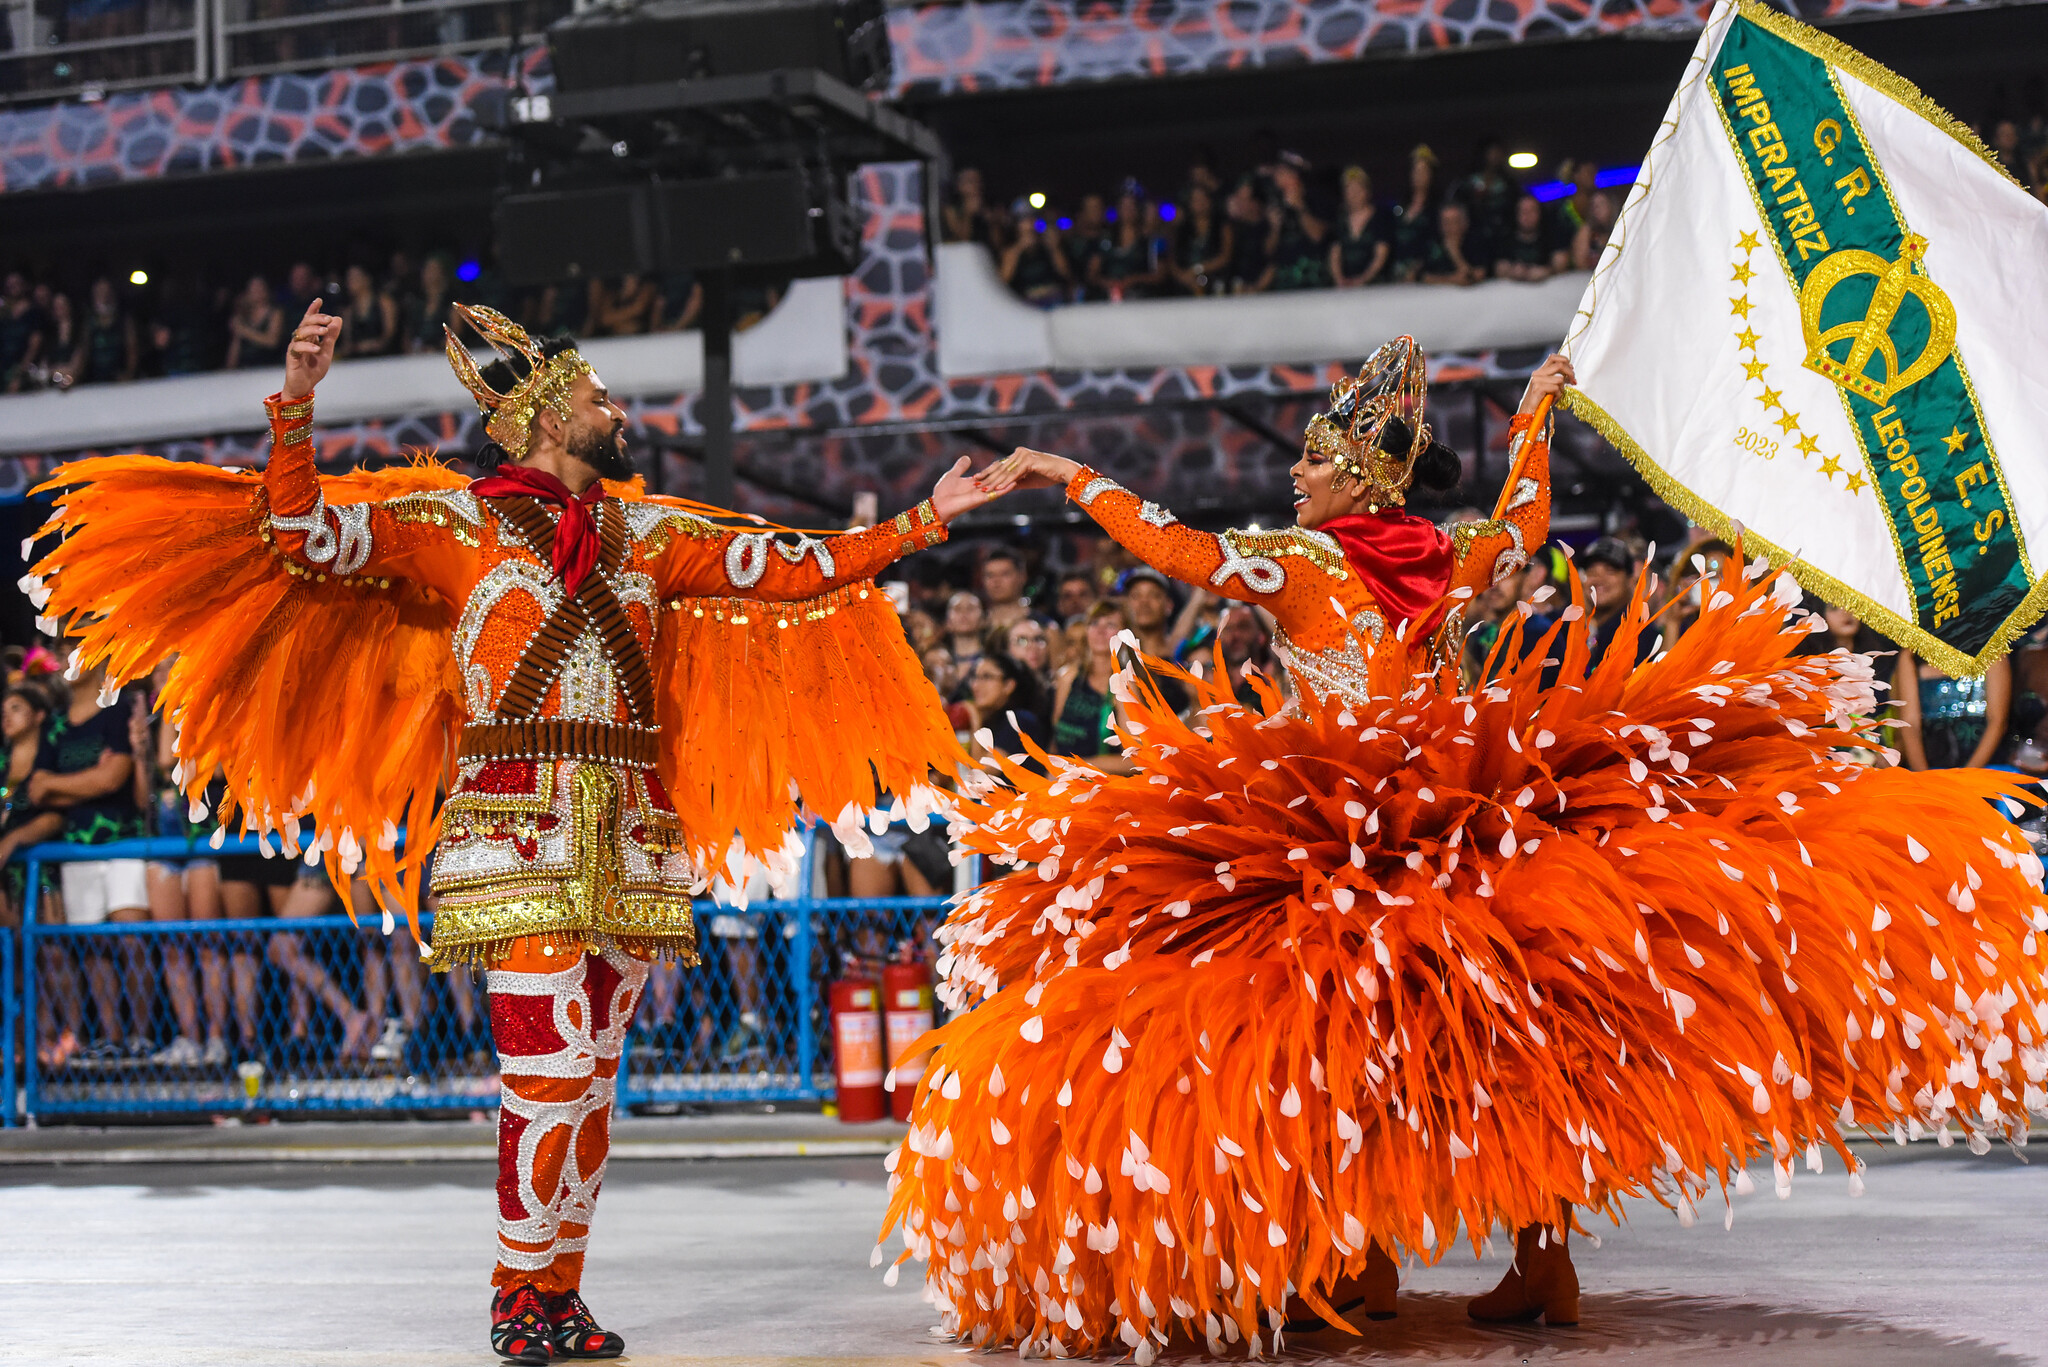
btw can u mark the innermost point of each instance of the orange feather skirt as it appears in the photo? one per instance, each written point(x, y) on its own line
point(1386, 971)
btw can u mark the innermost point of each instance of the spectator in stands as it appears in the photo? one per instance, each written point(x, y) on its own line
point(60, 338)
point(1608, 569)
point(1450, 260)
point(1951, 723)
point(256, 331)
point(965, 620)
point(1002, 587)
point(1362, 245)
point(1591, 238)
point(1251, 268)
point(1575, 208)
point(22, 326)
point(1488, 194)
point(24, 714)
point(182, 890)
point(107, 345)
point(1414, 228)
point(85, 769)
point(1295, 237)
point(2004, 140)
point(626, 309)
point(1089, 238)
point(964, 218)
point(560, 307)
point(1128, 268)
point(369, 316)
point(181, 335)
point(682, 303)
point(1002, 700)
point(938, 667)
point(1203, 243)
point(1149, 607)
point(301, 287)
point(1029, 644)
point(1032, 263)
point(426, 313)
point(1532, 250)
point(1076, 593)
point(1082, 710)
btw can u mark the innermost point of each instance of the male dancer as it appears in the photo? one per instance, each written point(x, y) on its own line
point(615, 713)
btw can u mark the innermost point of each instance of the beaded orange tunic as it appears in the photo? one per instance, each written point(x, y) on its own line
point(602, 753)
point(1324, 614)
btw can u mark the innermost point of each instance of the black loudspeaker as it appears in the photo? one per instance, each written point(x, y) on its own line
point(575, 234)
point(798, 222)
point(679, 40)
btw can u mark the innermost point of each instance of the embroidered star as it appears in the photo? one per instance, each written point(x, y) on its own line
point(1747, 242)
point(1789, 422)
point(1772, 398)
point(1855, 481)
point(1747, 339)
point(1957, 439)
point(1739, 305)
point(1755, 369)
point(1809, 445)
point(1831, 466)
point(1743, 272)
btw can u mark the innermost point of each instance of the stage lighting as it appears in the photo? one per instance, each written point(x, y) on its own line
point(1037, 199)
point(138, 277)
point(1522, 161)
point(468, 271)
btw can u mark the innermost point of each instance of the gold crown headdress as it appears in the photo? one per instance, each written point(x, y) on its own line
point(508, 417)
point(1393, 383)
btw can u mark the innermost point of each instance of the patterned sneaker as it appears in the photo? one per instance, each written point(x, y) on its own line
point(519, 1325)
point(577, 1335)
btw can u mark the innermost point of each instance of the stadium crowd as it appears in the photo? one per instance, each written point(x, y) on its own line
point(1288, 225)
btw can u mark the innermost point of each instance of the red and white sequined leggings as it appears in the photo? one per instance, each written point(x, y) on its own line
point(559, 1022)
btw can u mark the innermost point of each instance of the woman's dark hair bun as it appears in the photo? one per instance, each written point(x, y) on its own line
point(1437, 469)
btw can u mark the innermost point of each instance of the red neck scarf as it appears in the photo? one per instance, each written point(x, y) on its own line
point(575, 534)
point(1403, 561)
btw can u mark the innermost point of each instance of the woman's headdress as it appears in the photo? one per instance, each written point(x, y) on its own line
point(508, 417)
point(1386, 399)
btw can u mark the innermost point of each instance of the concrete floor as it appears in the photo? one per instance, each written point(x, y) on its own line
point(749, 1262)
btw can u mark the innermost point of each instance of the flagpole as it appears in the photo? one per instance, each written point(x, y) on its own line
point(1536, 419)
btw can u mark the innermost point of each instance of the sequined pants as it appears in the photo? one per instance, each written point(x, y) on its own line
point(560, 1022)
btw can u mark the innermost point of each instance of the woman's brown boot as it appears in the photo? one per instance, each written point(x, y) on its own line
point(1371, 1291)
point(1541, 1281)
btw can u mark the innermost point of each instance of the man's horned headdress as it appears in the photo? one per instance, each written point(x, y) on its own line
point(508, 417)
point(1386, 400)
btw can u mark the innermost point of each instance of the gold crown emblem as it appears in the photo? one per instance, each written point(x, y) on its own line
point(1870, 335)
point(508, 417)
point(1393, 383)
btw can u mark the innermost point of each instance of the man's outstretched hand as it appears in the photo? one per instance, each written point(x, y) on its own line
point(311, 351)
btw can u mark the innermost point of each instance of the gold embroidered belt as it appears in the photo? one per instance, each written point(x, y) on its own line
point(562, 739)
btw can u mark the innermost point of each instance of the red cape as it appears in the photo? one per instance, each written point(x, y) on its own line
point(1404, 561)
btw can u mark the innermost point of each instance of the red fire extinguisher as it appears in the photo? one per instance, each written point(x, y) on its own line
point(907, 1013)
point(857, 1049)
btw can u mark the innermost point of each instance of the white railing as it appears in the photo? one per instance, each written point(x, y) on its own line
point(87, 50)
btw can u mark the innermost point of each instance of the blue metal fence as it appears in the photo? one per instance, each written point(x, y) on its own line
point(316, 1014)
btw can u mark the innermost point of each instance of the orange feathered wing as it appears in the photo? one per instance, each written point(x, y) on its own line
point(313, 698)
point(767, 705)
point(1365, 972)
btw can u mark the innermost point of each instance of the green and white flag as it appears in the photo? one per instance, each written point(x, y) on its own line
point(1823, 316)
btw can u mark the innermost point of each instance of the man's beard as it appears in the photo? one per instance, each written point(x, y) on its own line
point(604, 451)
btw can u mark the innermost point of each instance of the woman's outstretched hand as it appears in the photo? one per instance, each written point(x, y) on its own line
point(1025, 468)
point(958, 492)
point(1549, 381)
